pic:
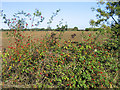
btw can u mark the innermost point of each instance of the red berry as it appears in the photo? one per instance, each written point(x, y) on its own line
point(89, 35)
point(101, 72)
point(28, 43)
point(22, 47)
point(67, 84)
point(61, 54)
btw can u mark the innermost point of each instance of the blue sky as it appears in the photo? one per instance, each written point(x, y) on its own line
point(74, 13)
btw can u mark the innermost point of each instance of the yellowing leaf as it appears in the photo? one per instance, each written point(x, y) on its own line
point(9, 68)
point(45, 71)
point(111, 86)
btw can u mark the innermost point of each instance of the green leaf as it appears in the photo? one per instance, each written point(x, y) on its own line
point(78, 86)
point(50, 83)
point(59, 80)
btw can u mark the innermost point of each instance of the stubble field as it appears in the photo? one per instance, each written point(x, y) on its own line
point(74, 36)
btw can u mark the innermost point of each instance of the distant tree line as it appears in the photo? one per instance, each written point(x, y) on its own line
point(48, 29)
point(57, 29)
point(93, 29)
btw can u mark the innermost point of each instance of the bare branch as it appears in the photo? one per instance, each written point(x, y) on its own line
point(114, 20)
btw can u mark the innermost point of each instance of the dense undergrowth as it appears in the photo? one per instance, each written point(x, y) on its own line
point(49, 64)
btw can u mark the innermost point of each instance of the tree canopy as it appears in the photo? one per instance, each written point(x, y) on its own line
point(107, 15)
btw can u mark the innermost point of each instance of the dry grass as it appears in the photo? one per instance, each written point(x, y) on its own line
point(41, 34)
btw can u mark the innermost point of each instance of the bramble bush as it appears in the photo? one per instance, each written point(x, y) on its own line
point(48, 64)
point(84, 65)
